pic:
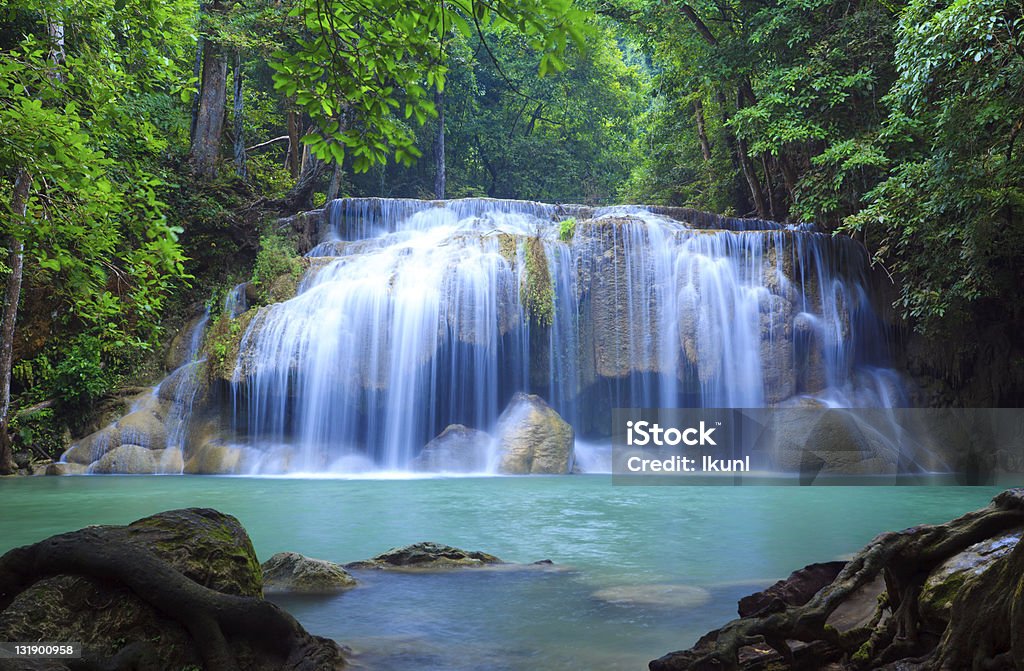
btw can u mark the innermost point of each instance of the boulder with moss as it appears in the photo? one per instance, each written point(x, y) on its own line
point(180, 589)
point(292, 573)
point(427, 557)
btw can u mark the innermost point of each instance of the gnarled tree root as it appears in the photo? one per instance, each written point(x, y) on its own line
point(214, 620)
point(985, 631)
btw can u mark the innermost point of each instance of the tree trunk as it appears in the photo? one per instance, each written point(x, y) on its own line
point(750, 174)
point(210, 120)
point(239, 129)
point(292, 159)
point(702, 134)
point(335, 185)
point(768, 187)
point(12, 295)
point(439, 174)
point(197, 71)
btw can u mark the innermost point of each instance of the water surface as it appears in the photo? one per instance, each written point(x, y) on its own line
point(727, 541)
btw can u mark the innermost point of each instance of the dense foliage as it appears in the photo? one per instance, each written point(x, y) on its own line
point(893, 121)
point(145, 145)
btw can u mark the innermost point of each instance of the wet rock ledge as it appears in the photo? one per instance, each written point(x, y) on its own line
point(181, 589)
point(946, 597)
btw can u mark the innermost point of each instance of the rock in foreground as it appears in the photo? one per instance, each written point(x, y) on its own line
point(180, 589)
point(875, 614)
point(427, 557)
point(292, 573)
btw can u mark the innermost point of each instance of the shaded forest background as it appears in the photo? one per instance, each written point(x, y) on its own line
point(146, 148)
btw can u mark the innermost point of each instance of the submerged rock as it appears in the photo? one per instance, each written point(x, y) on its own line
point(533, 439)
point(292, 573)
point(428, 557)
point(657, 595)
point(180, 589)
point(457, 449)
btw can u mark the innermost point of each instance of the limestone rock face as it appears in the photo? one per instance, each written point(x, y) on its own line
point(292, 573)
point(130, 459)
point(428, 557)
point(457, 449)
point(533, 439)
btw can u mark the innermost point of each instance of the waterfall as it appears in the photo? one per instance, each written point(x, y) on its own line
point(416, 315)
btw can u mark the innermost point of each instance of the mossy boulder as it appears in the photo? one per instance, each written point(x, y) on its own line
point(292, 573)
point(427, 557)
point(178, 590)
point(533, 439)
point(958, 573)
point(206, 546)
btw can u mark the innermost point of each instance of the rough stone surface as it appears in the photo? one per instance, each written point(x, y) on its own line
point(69, 468)
point(292, 573)
point(213, 458)
point(956, 573)
point(457, 449)
point(533, 439)
point(428, 557)
point(830, 442)
point(128, 459)
point(796, 590)
point(143, 427)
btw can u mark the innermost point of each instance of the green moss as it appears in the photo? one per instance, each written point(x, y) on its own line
point(537, 292)
point(40, 431)
point(567, 229)
point(276, 259)
point(222, 342)
point(941, 596)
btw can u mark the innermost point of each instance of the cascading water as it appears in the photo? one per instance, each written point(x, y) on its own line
point(416, 315)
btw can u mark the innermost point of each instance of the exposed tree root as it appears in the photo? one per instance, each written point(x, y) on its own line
point(986, 628)
point(215, 621)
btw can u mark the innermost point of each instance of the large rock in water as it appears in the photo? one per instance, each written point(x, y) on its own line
point(181, 589)
point(291, 573)
point(427, 557)
point(457, 449)
point(533, 439)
